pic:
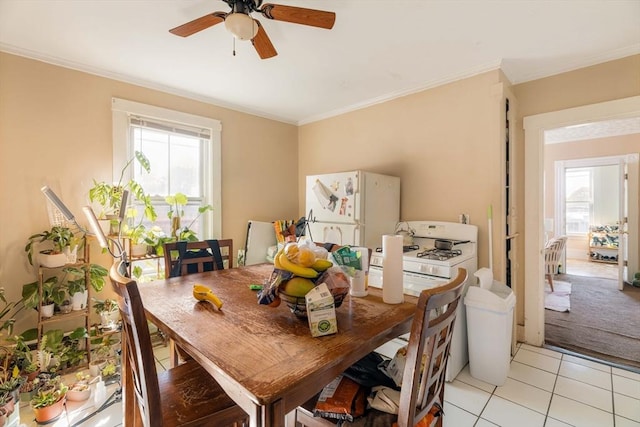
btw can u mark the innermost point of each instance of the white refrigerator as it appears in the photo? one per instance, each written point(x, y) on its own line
point(352, 208)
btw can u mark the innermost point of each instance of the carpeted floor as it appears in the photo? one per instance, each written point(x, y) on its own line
point(603, 322)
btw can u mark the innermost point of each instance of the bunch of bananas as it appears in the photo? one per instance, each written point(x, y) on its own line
point(300, 260)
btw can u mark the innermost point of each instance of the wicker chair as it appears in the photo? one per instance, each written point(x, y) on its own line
point(553, 257)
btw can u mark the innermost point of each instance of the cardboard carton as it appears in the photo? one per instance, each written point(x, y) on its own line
point(321, 311)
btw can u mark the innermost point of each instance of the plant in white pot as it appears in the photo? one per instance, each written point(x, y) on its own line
point(53, 292)
point(108, 311)
point(62, 239)
point(76, 284)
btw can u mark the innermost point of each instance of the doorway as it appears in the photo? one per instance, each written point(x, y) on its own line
point(585, 200)
point(534, 127)
point(587, 204)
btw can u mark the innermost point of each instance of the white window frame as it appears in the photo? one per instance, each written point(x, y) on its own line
point(212, 162)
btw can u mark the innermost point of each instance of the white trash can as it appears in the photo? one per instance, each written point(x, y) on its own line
point(489, 328)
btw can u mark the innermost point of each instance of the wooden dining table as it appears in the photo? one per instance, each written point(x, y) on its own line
point(265, 357)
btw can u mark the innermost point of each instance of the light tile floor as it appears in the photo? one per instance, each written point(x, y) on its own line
point(543, 388)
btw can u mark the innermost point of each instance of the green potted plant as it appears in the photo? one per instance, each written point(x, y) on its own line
point(108, 311)
point(53, 292)
point(155, 239)
point(177, 202)
point(137, 235)
point(69, 350)
point(61, 237)
point(10, 309)
point(76, 284)
point(48, 402)
point(109, 196)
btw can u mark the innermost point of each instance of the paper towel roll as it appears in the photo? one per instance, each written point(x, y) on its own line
point(392, 289)
point(358, 281)
point(485, 277)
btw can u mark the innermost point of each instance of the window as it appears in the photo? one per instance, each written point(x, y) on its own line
point(579, 200)
point(184, 153)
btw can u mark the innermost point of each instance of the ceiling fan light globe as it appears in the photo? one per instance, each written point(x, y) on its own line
point(241, 25)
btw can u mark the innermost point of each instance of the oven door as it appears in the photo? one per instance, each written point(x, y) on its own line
point(413, 283)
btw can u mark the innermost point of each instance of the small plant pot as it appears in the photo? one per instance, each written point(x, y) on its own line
point(26, 396)
point(9, 407)
point(52, 260)
point(79, 300)
point(79, 392)
point(109, 319)
point(47, 310)
point(65, 308)
point(139, 250)
point(49, 413)
point(95, 367)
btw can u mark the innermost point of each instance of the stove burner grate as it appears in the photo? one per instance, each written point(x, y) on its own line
point(439, 254)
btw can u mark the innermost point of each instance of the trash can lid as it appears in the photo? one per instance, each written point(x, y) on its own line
point(498, 297)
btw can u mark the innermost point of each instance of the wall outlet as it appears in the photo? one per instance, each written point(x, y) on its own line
point(464, 218)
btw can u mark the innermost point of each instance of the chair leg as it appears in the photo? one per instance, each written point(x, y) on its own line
point(550, 280)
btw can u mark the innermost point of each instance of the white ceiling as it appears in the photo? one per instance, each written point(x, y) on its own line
point(593, 130)
point(376, 51)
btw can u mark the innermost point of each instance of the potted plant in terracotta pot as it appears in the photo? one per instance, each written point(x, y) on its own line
point(48, 402)
point(61, 238)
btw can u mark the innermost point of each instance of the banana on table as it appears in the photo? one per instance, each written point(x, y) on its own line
point(203, 293)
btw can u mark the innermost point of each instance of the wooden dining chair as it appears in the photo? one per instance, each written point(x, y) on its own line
point(197, 257)
point(422, 384)
point(182, 396)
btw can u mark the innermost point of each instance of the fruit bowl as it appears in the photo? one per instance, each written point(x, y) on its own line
point(298, 305)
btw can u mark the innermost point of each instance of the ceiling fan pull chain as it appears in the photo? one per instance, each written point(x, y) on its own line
point(234, 46)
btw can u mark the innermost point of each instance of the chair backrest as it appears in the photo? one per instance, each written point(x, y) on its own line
point(553, 253)
point(138, 348)
point(200, 257)
point(424, 377)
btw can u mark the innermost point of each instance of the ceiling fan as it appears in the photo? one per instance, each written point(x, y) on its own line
point(240, 23)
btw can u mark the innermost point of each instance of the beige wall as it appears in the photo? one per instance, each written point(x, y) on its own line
point(55, 129)
point(443, 143)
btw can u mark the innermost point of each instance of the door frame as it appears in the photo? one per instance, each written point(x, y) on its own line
point(534, 127)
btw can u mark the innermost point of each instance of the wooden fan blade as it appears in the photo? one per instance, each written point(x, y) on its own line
point(299, 15)
point(262, 43)
point(199, 24)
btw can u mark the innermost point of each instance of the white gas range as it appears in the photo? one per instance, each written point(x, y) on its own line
point(437, 251)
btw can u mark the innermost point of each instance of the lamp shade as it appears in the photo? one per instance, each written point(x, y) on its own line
point(95, 227)
point(241, 25)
